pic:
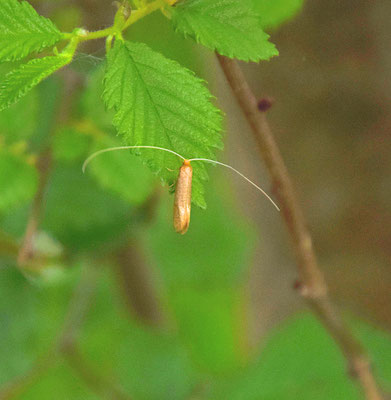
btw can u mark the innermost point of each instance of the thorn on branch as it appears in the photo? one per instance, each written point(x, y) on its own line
point(301, 288)
point(265, 104)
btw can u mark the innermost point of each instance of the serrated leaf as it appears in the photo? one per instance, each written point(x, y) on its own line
point(18, 181)
point(229, 27)
point(159, 103)
point(274, 12)
point(22, 79)
point(23, 31)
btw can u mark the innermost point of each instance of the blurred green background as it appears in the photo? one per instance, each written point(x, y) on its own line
point(109, 302)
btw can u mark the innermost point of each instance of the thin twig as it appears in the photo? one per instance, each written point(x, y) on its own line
point(17, 387)
point(99, 384)
point(137, 285)
point(313, 286)
point(134, 276)
point(26, 251)
point(72, 82)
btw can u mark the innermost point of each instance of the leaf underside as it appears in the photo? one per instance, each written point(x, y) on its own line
point(23, 31)
point(159, 103)
point(22, 79)
point(229, 27)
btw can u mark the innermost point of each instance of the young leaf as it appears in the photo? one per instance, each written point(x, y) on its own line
point(157, 102)
point(23, 31)
point(19, 81)
point(274, 13)
point(229, 27)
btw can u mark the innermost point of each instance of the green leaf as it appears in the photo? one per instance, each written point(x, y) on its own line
point(275, 12)
point(70, 145)
point(23, 31)
point(210, 323)
point(229, 27)
point(79, 214)
point(122, 173)
point(15, 128)
point(18, 181)
point(22, 79)
point(159, 103)
point(300, 361)
point(30, 316)
point(151, 364)
point(192, 261)
point(204, 272)
point(60, 379)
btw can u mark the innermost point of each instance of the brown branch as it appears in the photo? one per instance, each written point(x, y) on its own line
point(26, 251)
point(136, 282)
point(313, 286)
point(72, 82)
point(135, 278)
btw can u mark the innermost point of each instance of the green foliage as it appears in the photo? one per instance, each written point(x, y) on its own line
point(275, 12)
point(30, 317)
point(22, 79)
point(300, 361)
point(18, 122)
point(149, 364)
point(18, 181)
point(23, 31)
point(210, 322)
point(229, 27)
point(191, 260)
point(155, 366)
point(159, 103)
point(81, 215)
point(122, 173)
point(70, 145)
point(203, 272)
point(378, 343)
point(64, 382)
point(119, 172)
point(201, 350)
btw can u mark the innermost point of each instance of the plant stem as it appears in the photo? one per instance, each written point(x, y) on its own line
point(137, 285)
point(26, 251)
point(136, 15)
point(312, 283)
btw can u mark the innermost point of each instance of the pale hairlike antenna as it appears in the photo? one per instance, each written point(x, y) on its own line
point(239, 173)
point(97, 153)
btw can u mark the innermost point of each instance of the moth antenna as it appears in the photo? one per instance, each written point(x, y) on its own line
point(239, 173)
point(97, 153)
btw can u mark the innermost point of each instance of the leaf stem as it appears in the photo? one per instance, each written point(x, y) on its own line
point(312, 286)
point(81, 35)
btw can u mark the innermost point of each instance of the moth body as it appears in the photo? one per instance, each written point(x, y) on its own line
point(182, 200)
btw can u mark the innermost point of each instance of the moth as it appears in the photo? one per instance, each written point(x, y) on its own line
point(182, 198)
